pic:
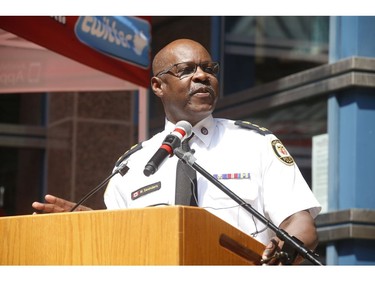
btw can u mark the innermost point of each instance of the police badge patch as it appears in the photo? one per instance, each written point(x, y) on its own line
point(282, 153)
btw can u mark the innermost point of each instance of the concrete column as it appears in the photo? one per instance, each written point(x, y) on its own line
point(351, 129)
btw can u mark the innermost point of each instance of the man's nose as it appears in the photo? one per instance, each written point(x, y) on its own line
point(200, 73)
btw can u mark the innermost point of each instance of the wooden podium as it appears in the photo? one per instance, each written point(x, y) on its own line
point(173, 235)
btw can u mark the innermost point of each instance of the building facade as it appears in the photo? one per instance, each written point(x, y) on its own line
point(310, 80)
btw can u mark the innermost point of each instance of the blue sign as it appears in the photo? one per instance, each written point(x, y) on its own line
point(125, 38)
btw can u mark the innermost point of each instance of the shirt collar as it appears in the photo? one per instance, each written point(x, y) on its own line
point(204, 129)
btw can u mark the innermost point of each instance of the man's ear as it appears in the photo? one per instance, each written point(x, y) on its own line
point(156, 85)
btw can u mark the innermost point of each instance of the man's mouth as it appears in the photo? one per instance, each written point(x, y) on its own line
point(202, 92)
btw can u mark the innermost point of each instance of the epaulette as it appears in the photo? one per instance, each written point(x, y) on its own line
point(248, 125)
point(129, 152)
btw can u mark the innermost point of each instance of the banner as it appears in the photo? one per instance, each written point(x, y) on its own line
point(119, 46)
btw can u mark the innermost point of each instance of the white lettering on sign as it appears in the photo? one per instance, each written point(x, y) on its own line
point(18, 74)
point(106, 30)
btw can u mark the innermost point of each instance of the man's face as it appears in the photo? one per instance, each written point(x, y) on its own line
point(193, 96)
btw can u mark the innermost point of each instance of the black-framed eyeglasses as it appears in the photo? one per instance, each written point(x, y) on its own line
point(187, 69)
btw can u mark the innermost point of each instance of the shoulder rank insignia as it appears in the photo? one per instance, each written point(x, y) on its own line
point(129, 152)
point(248, 125)
point(282, 153)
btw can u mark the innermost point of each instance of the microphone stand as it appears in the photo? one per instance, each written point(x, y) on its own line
point(290, 241)
point(122, 168)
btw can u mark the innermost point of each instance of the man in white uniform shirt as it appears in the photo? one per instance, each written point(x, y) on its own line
point(247, 159)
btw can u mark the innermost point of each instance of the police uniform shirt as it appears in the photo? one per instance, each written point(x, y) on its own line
point(251, 162)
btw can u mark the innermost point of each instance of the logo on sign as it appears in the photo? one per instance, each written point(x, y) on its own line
point(125, 38)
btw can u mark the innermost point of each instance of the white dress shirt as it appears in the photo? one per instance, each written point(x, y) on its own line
point(253, 165)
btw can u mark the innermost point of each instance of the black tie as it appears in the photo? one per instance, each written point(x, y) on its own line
point(186, 180)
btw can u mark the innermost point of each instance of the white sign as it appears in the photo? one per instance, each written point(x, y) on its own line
point(320, 169)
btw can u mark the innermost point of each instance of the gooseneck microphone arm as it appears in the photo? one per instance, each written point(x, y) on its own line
point(290, 241)
point(121, 169)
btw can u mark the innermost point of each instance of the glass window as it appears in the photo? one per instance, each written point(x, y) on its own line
point(22, 109)
point(262, 49)
point(295, 125)
point(20, 179)
point(22, 148)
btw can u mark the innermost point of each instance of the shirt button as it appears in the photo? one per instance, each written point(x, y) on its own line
point(204, 131)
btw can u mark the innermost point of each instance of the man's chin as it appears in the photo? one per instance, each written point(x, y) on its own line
point(203, 110)
point(203, 105)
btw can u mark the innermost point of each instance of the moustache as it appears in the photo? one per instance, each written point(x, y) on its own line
point(202, 89)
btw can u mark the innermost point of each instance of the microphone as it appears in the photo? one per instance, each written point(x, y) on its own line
point(182, 130)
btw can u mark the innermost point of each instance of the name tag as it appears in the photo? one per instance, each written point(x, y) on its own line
point(145, 190)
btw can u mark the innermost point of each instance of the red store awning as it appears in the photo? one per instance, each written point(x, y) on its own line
point(119, 46)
